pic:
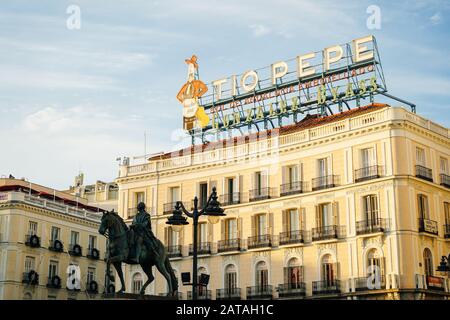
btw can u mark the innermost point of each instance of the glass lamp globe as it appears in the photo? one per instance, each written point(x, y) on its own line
point(213, 219)
point(177, 227)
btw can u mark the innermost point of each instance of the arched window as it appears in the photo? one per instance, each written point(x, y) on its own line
point(230, 277)
point(374, 260)
point(137, 283)
point(328, 270)
point(293, 275)
point(428, 262)
point(262, 275)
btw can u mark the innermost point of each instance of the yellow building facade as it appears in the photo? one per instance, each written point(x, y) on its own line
point(42, 232)
point(350, 206)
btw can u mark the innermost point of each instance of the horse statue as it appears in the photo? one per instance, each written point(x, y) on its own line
point(122, 245)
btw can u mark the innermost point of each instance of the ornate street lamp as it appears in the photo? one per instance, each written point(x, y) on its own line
point(444, 266)
point(177, 221)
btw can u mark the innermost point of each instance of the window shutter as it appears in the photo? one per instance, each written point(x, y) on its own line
point(336, 271)
point(300, 172)
point(318, 217)
point(335, 213)
point(302, 218)
point(253, 181)
point(284, 175)
point(330, 165)
point(264, 179)
point(222, 229)
point(224, 187)
point(295, 174)
point(210, 231)
point(284, 220)
point(253, 218)
point(239, 227)
point(271, 226)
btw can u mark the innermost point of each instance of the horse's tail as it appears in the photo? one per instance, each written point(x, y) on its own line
point(173, 278)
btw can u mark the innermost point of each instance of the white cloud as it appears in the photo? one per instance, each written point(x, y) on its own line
point(436, 18)
point(259, 30)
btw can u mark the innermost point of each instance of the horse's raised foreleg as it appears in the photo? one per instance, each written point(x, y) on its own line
point(148, 271)
point(118, 266)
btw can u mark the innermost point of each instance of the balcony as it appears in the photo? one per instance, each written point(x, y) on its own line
point(291, 290)
point(31, 277)
point(229, 245)
point(228, 294)
point(202, 294)
point(174, 251)
point(202, 248)
point(93, 254)
point(428, 226)
point(169, 207)
point(56, 246)
point(291, 188)
point(32, 240)
point(262, 194)
point(371, 226)
point(326, 287)
point(259, 292)
point(54, 282)
point(230, 199)
point(291, 237)
point(75, 250)
point(424, 173)
point(368, 173)
point(445, 180)
point(262, 241)
point(369, 283)
point(447, 231)
point(326, 233)
point(325, 182)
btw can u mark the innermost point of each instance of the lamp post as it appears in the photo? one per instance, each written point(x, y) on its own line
point(444, 266)
point(212, 209)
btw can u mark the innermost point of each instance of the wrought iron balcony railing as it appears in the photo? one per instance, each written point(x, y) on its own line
point(327, 232)
point(93, 253)
point(326, 287)
point(174, 251)
point(202, 294)
point(428, 226)
point(261, 241)
point(228, 294)
point(32, 240)
point(229, 245)
point(368, 173)
point(296, 289)
point(371, 226)
point(325, 182)
point(294, 187)
point(259, 292)
point(75, 250)
point(169, 207)
point(229, 199)
point(202, 248)
point(370, 283)
point(424, 173)
point(291, 237)
point(31, 277)
point(56, 245)
point(447, 231)
point(445, 180)
point(262, 194)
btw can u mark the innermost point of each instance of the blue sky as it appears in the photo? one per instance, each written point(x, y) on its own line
point(74, 100)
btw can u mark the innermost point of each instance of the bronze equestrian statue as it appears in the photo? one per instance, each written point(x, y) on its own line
point(136, 245)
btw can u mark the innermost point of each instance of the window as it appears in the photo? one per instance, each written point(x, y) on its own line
point(174, 194)
point(292, 220)
point(447, 213)
point(55, 233)
point(260, 225)
point(328, 270)
point(202, 235)
point(29, 263)
point(422, 202)
point(32, 228)
point(428, 262)
point(74, 237)
point(203, 194)
point(172, 237)
point(230, 229)
point(262, 275)
point(90, 275)
point(137, 283)
point(443, 165)
point(258, 181)
point(367, 157)
point(139, 197)
point(420, 156)
point(325, 216)
point(230, 185)
point(53, 269)
point(293, 274)
point(322, 167)
point(230, 277)
point(370, 203)
point(374, 262)
point(92, 242)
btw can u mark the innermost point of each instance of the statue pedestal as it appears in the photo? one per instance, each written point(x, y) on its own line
point(135, 296)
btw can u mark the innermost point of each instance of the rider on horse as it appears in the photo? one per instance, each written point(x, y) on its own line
point(141, 234)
